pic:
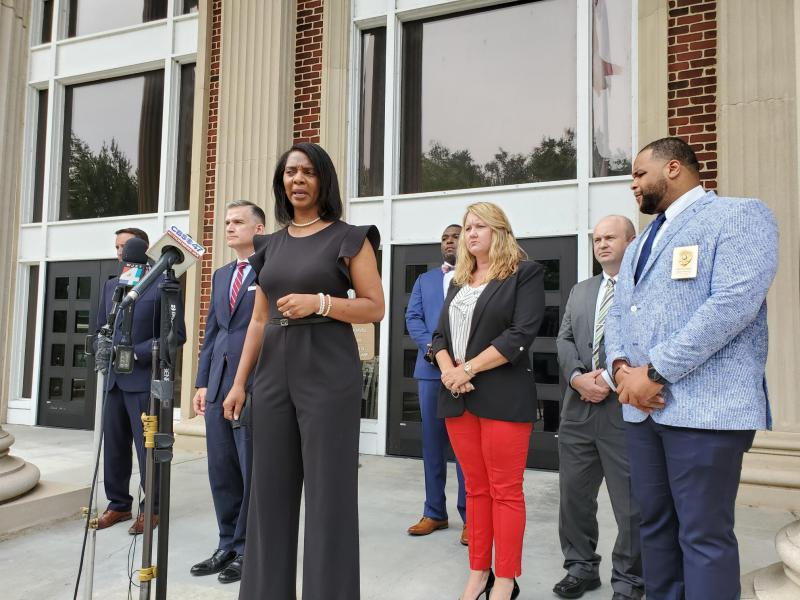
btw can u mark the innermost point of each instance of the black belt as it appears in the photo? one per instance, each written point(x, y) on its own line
point(306, 321)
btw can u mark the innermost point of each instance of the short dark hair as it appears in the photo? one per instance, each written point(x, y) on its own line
point(674, 148)
point(136, 232)
point(257, 211)
point(329, 199)
point(452, 225)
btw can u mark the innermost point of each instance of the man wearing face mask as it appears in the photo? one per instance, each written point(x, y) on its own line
point(687, 340)
point(422, 317)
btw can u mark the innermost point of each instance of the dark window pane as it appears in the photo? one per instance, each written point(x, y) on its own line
point(112, 147)
point(56, 387)
point(47, 21)
point(552, 274)
point(30, 330)
point(189, 6)
point(57, 355)
point(91, 16)
point(59, 321)
point(79, 356)
point(545, 368)
point(84, 288)
point(550, 322)
point(78, 389)
point(412, 272)
point(369, 390)
point(183, 169)
point(409, 362)
point(611, 85)
point(411, 407)
point(41, 139)
point(81, 321)
point(62, 288)
point(371, 116)
point(489, 98)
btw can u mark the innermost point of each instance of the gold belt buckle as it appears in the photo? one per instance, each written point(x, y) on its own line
point(284, 322)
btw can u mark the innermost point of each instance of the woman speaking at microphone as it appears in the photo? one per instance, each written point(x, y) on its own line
point(307, 385)
point(490, 318)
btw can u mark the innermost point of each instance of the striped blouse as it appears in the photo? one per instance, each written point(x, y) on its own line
point(461, 309)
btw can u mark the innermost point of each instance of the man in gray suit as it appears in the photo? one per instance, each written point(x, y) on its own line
point(591, 438)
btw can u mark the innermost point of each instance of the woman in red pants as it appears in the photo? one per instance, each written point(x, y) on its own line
point(490, 318)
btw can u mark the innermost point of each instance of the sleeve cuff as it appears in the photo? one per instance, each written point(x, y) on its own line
point(609, 380)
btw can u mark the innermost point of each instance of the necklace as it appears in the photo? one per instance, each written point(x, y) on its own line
point(305, 224)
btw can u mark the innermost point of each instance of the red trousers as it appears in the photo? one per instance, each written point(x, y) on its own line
point(493, 455)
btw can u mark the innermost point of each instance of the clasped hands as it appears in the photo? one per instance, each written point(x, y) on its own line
point(457, 380)
point(591, 386)
point(634, 387)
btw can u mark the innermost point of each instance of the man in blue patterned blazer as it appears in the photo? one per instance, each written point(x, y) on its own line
point(687, 341)
point(230, 450)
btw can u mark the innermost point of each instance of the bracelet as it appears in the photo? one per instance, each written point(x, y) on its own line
point(330, 303)
point(321, 303)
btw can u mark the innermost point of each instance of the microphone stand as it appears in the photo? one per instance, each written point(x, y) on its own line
point(159, 436)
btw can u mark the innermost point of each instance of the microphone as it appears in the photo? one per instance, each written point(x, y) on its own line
point(134, 258)
point(174, 250)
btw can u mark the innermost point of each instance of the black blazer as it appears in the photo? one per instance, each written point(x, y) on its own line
point(507, 316)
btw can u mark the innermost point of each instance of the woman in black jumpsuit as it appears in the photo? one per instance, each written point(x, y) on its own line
point(307, 385)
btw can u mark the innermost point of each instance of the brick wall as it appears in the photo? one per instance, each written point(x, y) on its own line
point(692, 95)
point(308, 71)
point(209, 186)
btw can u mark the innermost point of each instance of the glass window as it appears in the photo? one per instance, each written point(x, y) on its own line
point(371, 116)
point(84, 288)
point(508, 73)
point(79, 356)
point(91, 16)
point(611, 88)
point(47, 21)
point(30, 330)
point(62, 288)
point(409, 362)
point(552, 274)
point(56, 387)
point(78, 389)
point(189, 6)
point(411, 411)
point(183, 169)
point(545, 367)
point(57, 352)
point(59, 321)
point(81, 321)
point(112, 147)
point(41, 139)
point(550, 323)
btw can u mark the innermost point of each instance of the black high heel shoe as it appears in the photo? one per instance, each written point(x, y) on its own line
point(514, 592)
point(487, 588)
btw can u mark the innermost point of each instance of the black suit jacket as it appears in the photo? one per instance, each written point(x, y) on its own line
point(507, 316)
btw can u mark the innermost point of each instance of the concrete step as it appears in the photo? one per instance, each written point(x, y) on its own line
point(48, 501)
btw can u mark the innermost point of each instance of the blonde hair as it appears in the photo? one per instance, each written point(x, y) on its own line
point(505, 253)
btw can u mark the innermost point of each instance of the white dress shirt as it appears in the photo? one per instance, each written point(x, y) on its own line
point(245, 273)
point(448, 277)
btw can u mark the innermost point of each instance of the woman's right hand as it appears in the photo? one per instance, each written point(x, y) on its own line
point(234, 401)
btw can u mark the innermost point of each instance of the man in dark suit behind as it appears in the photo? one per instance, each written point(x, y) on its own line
point(129, 396)
point(591, 441)
point(422, 317)
point(230, 449)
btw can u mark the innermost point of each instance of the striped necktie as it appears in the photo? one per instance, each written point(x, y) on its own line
point(237, 282)
point(600, 323)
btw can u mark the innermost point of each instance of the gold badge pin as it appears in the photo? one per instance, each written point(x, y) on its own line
point(684, 262)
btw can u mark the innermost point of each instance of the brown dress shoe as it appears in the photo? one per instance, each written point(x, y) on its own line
point(427, 526)
point(112, 517)
point(138, 527)
point(464, 537)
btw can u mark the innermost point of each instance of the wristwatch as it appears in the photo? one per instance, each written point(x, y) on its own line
point(654, 375)
point(468, 369)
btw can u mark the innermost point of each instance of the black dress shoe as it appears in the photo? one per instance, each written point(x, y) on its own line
point(575, 587)
point(233, 572)
point(218, 561)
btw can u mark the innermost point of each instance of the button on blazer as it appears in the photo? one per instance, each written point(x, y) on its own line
point(507, 316)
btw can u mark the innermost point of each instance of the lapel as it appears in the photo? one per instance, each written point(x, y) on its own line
point(483, 300)
point(243, 290)
point(674, 228)
point(592, 290)
point(223, 294)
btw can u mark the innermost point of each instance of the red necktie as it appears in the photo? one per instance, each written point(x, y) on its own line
point(237, 283)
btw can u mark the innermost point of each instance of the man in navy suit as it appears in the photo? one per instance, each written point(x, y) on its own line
point(422, 317)
point(129, 396)
point(230, 448)
point(687, 338)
